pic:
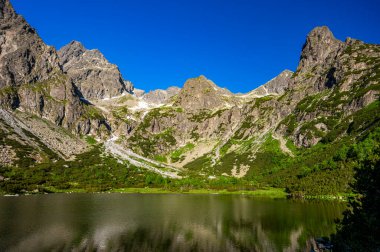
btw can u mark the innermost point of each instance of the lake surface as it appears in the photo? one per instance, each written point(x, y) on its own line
point(163, 222)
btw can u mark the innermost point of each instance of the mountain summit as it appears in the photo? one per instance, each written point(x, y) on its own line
point(95, 77)
point(283, 134)
point(276, 86)
point(320, 48)
point(201, 93)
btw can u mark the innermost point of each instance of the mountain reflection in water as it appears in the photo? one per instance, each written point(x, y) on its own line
point(122, 222)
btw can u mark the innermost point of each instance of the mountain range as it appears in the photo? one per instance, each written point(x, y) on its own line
point(58, 105)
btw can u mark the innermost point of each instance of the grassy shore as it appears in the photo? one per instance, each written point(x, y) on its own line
point(265, 192)
point(268, 192)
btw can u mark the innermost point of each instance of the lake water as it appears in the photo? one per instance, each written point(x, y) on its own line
point(163, 222)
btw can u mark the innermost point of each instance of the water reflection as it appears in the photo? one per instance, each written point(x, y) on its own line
point(117, 222)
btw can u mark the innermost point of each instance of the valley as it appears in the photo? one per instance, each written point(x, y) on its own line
point(70, 121)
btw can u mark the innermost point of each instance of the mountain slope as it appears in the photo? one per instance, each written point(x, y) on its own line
point(276, 86)
point(31, 78)
point(296, 131)
point(94, 76)
point(332, 102)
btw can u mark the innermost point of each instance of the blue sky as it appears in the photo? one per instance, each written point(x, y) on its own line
point(239, 44)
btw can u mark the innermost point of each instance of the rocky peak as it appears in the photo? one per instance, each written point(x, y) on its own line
point(201, 93)
point(6, 10)
point(275, 86)
point(160, 96)
point(31, 77)
point(23, 55)
point(72, 50)
point(319, 49)
point(138, 92)
point(203, 85)
point(94, 75)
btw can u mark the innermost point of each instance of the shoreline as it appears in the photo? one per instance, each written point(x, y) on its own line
point(272, 193)
point(264, 192)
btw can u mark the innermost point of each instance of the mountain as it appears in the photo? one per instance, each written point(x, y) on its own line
point(276, 86)
point(38, 100)
point(94, 76)
point(326, 102)
point(297, 131)
point(160, 96)
point(31, 78)
point(201, 93)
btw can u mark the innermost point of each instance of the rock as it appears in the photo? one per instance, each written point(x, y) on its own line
point(24, 58)
point(31, 78)
point(276, 86)
point(6, 10)
point(334, 79)
point(320, 49)
point(160, 96)
point(138, 92)
point(201, 93)
point(95, 77)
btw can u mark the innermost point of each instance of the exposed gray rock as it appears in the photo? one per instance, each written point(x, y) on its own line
point(320, 49)
point(276, 86)
point(201, 93)
point(138, 92)
point(24, 57)
point(160, 96)
point(334, 79)
point(50, 135)
point(94, 76)
point(31, 77)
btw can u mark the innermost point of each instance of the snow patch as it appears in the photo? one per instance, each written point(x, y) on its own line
point(114, 138)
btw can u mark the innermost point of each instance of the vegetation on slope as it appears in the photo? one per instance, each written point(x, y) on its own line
point(359, 230)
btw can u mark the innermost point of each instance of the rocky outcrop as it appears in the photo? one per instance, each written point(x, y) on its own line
point(319, 50)
point(138, 92)
point(201, 93)
point(95, 77)
point(42, 135)
point(276, 86)
point(334, 80)
point(24, 58)
point(160, 96)
point(31, 78)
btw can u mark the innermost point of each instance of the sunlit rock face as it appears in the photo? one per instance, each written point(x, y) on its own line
point(94, 76)
point(31, 78)
point(160, 96)
point(201, 93)
point(276, 86)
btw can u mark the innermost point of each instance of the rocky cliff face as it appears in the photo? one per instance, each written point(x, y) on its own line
point(276, 86)
point(333, 94)
point(94, 76)
point(332, 78)
point(24, 58)
point(334, 81)
point(201, 93)
point(31, 78)
point(160, 96)
point(320, 49)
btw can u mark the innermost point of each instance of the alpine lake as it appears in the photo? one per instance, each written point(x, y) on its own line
point(163, 222)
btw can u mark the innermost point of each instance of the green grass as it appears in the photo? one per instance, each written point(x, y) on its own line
point(177, 155)
point(265, 192)
point(274, 193)
point(160, 158)
point(91, 140)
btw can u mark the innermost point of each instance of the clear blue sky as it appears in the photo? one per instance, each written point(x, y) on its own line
point(239, 44)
